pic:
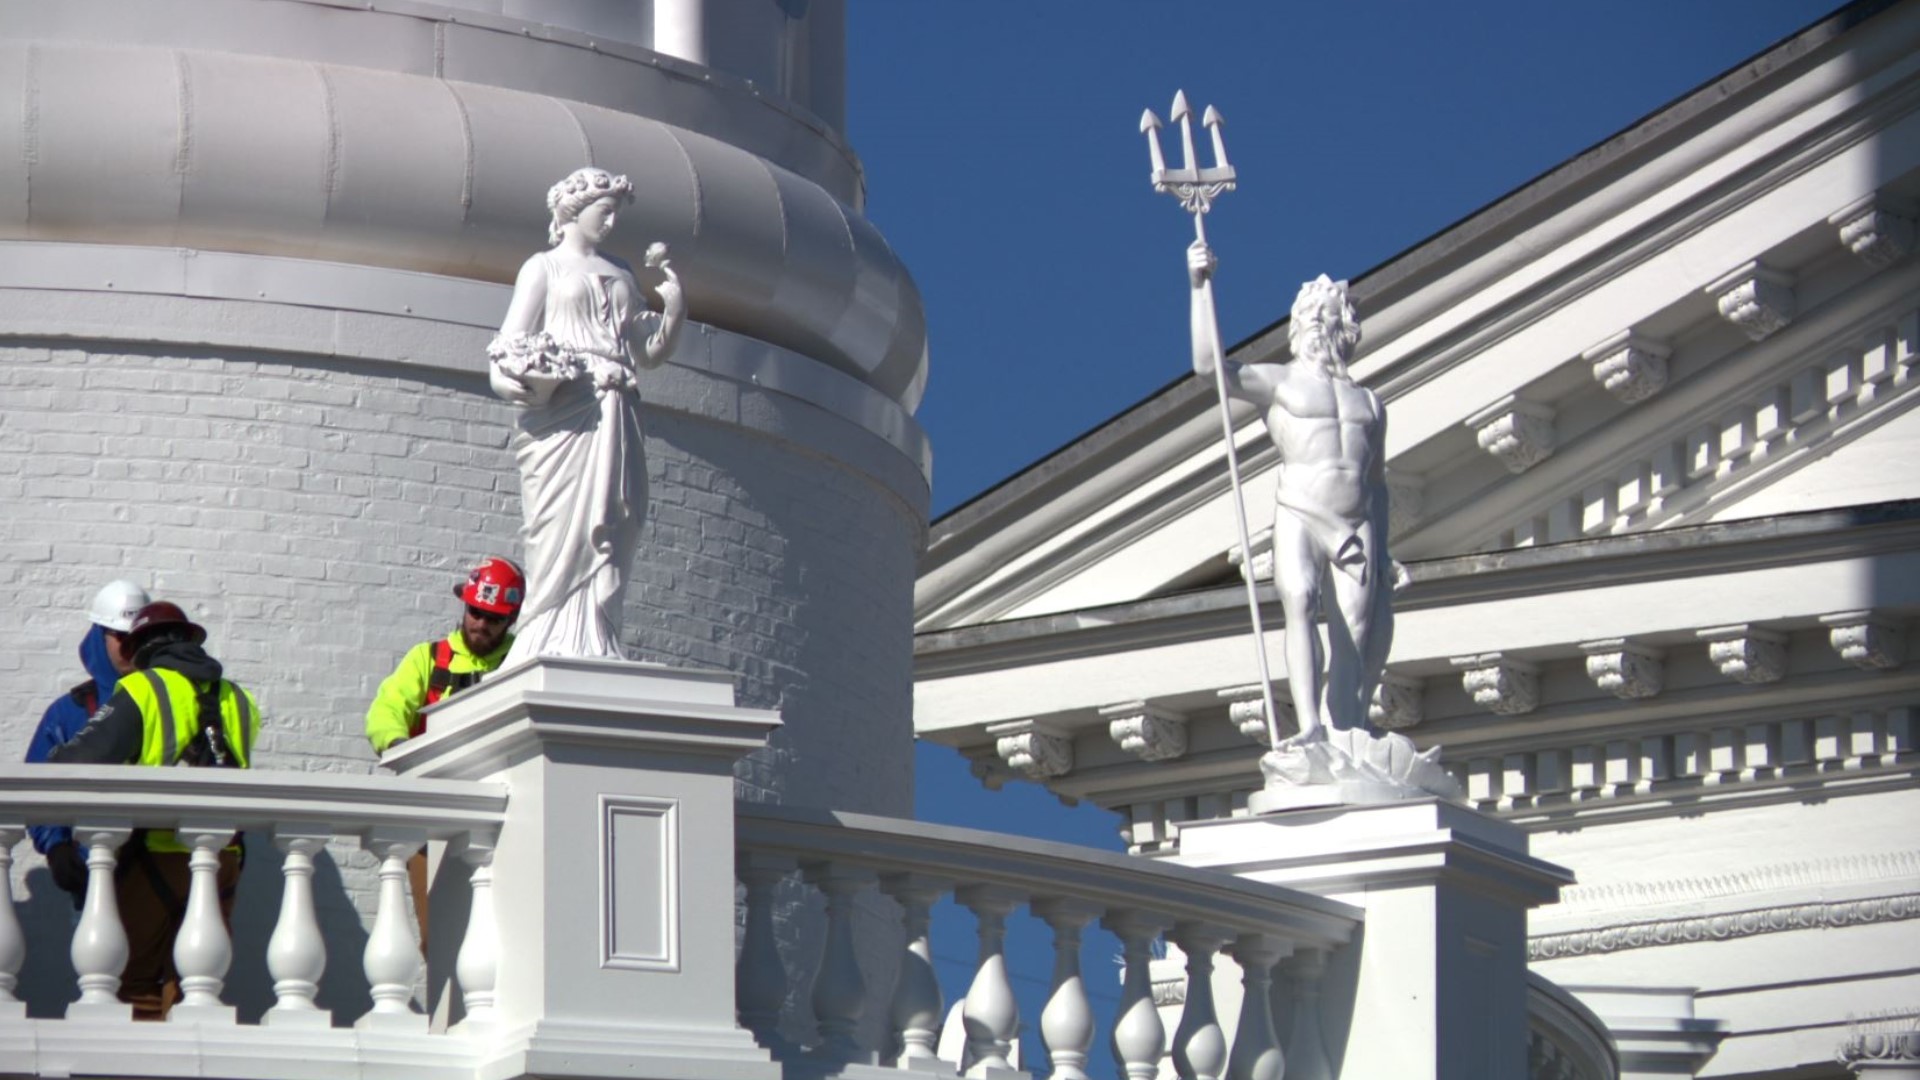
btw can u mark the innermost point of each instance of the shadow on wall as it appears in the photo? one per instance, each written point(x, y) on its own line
point(48, 981)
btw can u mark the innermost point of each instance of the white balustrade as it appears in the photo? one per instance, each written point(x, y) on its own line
point(991, 1014)
point(1199, 1044)
point(392, 956)
point(203, 950)
point(1139, 1037)
point(839, 990)
point(1307, 1057)
point(917, 1003)
point(296, 954)
point(13, 940)
point(99, 950)
point(759, 977)
point(1256, 1051)
point(478, 964)
point(1066, 1023)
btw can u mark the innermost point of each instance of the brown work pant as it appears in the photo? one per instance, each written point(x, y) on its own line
point(151, 889)
point(417, 881)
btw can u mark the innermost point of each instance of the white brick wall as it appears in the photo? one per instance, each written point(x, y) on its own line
point(316, 514)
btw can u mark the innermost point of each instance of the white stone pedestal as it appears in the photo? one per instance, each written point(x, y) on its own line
point(612, 877)
point(1434, 986)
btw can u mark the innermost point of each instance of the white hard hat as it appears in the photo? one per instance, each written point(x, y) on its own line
point(115, 605)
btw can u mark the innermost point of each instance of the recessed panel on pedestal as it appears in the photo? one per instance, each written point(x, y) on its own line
point(639, 883)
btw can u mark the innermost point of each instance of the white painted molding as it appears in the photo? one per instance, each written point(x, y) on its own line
point(1682, 931)
point(1765, 880)
point(1745, 653)
point(1865, 641)
point(1261, 544)
point(1623, 669)
point(1631, 367)
point(1406, 499)
point(1147, 733)
point(1397, 702)
point(1518, 432)
point(1756, 298)
point(1032, 749)
point(1247, 710)
point(1499, 683)
point(1878, 229)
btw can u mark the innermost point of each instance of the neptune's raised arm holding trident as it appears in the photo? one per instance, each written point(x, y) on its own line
point(1330, 518)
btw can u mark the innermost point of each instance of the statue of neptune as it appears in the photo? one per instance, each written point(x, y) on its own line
point(575, 331)
point(1329, 524)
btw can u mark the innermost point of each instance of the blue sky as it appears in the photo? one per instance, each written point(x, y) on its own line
point(1005, 165)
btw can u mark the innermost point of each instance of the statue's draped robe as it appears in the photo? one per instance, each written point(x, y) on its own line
point(583, 477)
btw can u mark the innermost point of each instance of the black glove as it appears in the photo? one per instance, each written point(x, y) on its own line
point(68, 867)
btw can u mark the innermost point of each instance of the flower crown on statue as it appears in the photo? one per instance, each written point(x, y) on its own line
point(581, 189)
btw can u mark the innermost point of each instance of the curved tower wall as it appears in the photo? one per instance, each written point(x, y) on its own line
point(251, 252)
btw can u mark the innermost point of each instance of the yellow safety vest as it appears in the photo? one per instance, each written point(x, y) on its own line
point(169, 705)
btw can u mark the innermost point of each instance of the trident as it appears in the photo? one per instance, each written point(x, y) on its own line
point(1196, 188)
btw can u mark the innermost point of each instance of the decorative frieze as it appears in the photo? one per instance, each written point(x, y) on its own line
point(1147, 733)
point(1499, 683)
point(1877, 229)
point(1033, 749)
point(1756, 298)
point(1248, 712)
point(1745, 653)
point(1625, 670)
point(1740, 924)
point(1396, 702)
point(1866, 642)
point(1518, 432)
point(1631, 367)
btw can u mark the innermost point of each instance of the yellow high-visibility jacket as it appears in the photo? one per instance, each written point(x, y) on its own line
point(395, 712)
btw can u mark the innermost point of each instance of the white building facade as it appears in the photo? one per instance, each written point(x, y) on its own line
point(1651, 426)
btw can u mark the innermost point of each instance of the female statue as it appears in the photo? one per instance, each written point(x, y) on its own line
point(574, 333)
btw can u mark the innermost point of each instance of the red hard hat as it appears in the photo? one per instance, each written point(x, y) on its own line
point(496, 585)
point(157, 616)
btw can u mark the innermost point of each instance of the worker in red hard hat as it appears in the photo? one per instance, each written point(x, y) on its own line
point(173, 708)
point(434, 670)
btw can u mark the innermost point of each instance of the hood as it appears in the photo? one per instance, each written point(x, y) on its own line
point(186, 658)
point(93, 656)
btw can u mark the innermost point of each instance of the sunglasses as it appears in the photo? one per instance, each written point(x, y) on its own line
point(486, 616)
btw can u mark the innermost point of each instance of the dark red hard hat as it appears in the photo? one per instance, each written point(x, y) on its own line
point(496, 585)
point(158, 616)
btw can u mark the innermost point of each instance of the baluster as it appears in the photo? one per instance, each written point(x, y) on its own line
point(99, 950)
point(477, 967)
point(759, 978)
point(917, 1005)
point(203, 950)
point(839, 990)
point(13, 941)
point(1139, 1038)
point(1066, 1024)
point(297, 954)
point(1307, 1057)
point(392, 956)
point(990, 1014)
point(1199, 1045)
point(1256, 1052)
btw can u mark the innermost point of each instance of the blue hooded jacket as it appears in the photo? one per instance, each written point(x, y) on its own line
point(66, 716)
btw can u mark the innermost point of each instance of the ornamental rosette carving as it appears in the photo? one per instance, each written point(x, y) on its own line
point(1631, 368)
point(1147, 733)
point(1878, 230)
point(1746, 654)
point(1397, 703)
point(1033, 752)
point(1756, 298)
point(1500, 684)
point(1624, 670)
point(1519, 433)
point(1867, 643)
